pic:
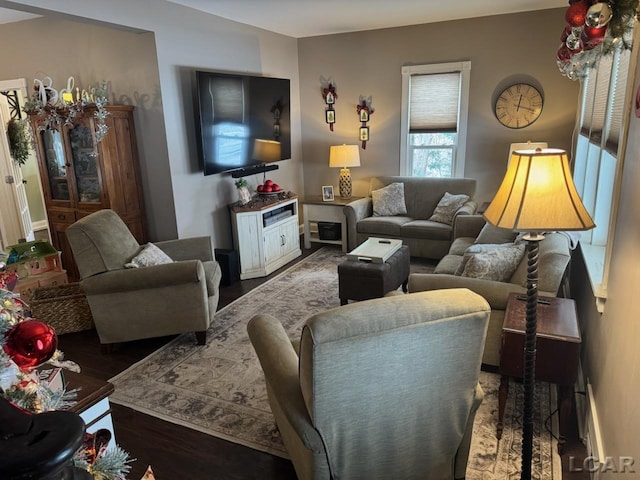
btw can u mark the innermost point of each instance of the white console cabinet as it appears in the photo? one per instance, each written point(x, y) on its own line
point(266, 235)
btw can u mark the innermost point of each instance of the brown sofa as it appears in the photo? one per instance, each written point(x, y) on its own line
point(423, 237)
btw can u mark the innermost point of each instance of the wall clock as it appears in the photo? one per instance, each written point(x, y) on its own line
point(518, 105)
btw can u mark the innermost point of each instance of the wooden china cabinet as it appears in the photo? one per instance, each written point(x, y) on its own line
point(80, 176)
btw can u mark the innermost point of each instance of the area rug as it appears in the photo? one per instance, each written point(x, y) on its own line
point(219, 388)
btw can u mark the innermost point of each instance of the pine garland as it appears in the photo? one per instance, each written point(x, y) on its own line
point(111, 464)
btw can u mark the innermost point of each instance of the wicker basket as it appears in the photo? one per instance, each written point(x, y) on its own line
point(64, 307)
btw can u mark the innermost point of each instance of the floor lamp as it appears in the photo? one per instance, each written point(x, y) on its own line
point(537, 195)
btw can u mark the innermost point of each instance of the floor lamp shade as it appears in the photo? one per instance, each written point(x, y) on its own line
point(344, 156)
point(537, 195)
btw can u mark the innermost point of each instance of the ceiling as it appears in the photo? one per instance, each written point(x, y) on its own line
point(9, 16)
point(308, 18)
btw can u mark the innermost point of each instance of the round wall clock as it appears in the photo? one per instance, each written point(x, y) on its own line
point(518, 105)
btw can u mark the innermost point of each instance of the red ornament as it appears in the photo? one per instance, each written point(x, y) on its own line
point(30, 343)
point(591, 42)
point(577, 13)
point(564, 54)
point(594, 33)
point(565, 33)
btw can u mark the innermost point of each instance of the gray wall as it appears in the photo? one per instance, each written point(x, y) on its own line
point(181, 201)
point(93, 53)
point(369, 64)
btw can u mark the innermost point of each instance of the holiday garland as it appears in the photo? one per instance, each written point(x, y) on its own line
point(25, 343)
point(594, 28)
point(19, 140)
point(61, 108)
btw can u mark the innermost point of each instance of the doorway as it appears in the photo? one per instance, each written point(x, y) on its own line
point(20, 189)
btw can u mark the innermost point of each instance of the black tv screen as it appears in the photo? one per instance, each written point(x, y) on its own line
point(238, 116)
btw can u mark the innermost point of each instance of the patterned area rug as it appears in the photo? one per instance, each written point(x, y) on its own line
point(219, 388)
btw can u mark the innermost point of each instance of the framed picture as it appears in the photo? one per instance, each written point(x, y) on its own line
point(327, 193)
point(330, 99)
point(330, 116)
point(364, 115)
point(364, 134)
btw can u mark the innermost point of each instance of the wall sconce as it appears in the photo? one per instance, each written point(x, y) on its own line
point(365, 110)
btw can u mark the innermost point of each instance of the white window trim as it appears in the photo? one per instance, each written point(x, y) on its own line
point(465, 73)
point(598, 258)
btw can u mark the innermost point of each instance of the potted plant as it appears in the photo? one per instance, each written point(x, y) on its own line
point(243, 191)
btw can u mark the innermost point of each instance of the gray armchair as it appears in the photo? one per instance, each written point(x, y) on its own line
point(384, 388)
point(553, 258)
point(134, 303)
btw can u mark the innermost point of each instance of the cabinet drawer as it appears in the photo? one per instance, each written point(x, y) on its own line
point(61, 216)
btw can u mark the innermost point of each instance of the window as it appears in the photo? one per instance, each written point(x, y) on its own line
point(435, 101)
point(599, 151)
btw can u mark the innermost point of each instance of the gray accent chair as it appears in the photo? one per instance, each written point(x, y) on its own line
point(154, 301)
point(385, 388)
point(553, 259)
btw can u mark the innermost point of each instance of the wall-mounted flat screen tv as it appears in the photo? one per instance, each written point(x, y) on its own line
point(243, 121)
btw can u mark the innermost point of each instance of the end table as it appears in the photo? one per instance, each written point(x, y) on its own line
point(557, 350)
point(314, 210)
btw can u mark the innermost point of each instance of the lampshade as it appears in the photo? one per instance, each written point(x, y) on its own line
point(528, 145)
point(266, 150)
point(344, 156)
point(537, 194)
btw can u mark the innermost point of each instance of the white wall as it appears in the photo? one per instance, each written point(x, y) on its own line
point(180, 199)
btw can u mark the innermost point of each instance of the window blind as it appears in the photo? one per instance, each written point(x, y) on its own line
point(587, 105)
point(434, 103)
point(619, 83)
point(599, 113)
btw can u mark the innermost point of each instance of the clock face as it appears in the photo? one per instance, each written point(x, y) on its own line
point(518, 106)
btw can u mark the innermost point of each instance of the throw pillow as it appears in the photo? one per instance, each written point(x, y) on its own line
point(389, 200)
point(150, 255)
point(447, 208)
point(491, 234)
point(496, 263)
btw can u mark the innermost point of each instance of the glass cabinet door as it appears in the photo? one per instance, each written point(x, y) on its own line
point(56, 164)
point(85, 163)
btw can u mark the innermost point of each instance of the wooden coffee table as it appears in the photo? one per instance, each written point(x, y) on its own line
point(92, 402)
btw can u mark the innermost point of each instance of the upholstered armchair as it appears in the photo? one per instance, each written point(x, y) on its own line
point(384, 388)
point(149, 301)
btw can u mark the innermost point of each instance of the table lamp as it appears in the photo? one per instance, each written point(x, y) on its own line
point(537, 195)
point(344, 156)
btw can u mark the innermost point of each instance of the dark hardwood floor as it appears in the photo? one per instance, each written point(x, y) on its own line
point(179, 453)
